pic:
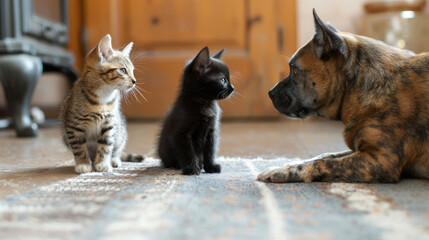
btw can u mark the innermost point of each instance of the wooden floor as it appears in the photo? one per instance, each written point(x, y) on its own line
point(42, 197)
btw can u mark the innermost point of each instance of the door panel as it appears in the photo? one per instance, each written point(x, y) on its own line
point(186, 22)
point(168, 33)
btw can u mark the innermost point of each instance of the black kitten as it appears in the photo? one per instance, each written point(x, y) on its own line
point(189, 136)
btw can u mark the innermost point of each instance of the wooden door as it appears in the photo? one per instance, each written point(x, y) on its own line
point(167, 33)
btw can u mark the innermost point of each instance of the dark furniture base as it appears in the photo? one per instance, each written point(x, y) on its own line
point(19, 74)
point(30, 43)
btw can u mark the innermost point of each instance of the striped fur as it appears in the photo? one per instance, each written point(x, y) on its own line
point(94, 128)
point(379, 92)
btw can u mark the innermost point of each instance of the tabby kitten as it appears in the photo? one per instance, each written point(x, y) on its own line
point(94, 128)
point(189, 136)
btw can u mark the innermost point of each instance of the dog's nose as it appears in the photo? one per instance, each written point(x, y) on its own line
point(271, 94)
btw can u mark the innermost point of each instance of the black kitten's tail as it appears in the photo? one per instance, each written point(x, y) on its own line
point(131, 157)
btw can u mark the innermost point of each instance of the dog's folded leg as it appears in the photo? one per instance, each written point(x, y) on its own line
point(332, 155)
point(365, 167)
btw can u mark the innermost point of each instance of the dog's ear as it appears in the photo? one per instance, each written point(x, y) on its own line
point(326, 40)
point(332, 27)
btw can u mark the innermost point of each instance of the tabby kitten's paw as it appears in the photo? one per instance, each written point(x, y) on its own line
point(103, 167)
point(83, 168)
point(215, 168)
point(116, 162)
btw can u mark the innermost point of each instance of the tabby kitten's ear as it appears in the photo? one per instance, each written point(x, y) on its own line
point(127, 49)
point(219, 54)
point(202, 60)
point(105, 49)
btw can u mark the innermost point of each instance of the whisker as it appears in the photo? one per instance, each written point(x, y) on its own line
point(125, 98)
point(287, 58)
point(141, 89)
point(143, 67)
point(239, 94)
point(231, 100)
point(137, 56)
point(135, 95)
point(138, 70)
point(237, 77)
point(222, 94)
point(138, 91)
point(235, 100)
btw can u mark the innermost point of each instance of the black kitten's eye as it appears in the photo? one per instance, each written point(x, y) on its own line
point(123, 70)
point(223, 80)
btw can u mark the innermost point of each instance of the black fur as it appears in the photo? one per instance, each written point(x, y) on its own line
point(189, 136)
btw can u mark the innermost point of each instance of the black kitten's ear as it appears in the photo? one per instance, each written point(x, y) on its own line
point(202, 60)
point(219, 54)
point(326, 40)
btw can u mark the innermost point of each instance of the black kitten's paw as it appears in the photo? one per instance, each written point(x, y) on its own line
point(191, 171)
point(215, 168)
point(171, 165)
point(176, 167)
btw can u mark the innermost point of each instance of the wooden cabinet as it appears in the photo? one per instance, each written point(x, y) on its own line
point(167, 24)
point(167, 33)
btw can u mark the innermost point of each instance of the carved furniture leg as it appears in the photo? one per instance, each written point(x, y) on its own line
point(19, 74)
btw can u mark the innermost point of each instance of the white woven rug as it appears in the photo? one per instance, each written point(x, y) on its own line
point(144, 201)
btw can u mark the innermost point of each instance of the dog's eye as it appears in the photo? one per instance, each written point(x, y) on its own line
point(123, 70)
point(295, 70)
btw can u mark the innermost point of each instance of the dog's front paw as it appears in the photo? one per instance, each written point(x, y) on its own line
point(104, 166)
point(281, 174)
point(271, 175)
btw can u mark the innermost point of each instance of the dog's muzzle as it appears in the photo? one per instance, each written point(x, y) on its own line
point(287, 102)
point(271, 94)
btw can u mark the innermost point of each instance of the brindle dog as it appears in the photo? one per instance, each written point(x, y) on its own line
point(379, 92)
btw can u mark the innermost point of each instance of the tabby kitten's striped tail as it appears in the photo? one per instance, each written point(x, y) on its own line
point(126, 157)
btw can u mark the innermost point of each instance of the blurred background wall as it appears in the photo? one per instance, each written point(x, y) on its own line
point(341, 13)
point(348, 15)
